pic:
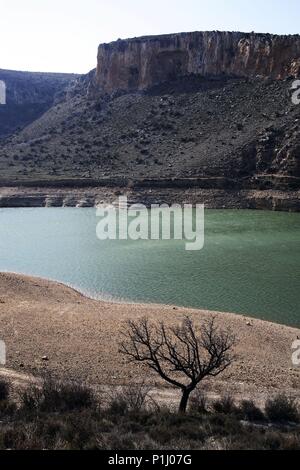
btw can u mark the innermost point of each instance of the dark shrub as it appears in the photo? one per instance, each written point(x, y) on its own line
point(30, 398)
point(133, 398)
point(57, 396)
point(13, 439)
point(118, 407)
point(4, 390)
point(282, 409)
point(7, 407)
point(250, 411)
point(273, 441)
point(191, 431)
point(198, 402)
point(224, 425)
point(66, 396)
point(80, 430)
point(225, 405)
point(292, 442)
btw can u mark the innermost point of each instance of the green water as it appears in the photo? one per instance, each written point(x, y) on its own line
point(250, 262)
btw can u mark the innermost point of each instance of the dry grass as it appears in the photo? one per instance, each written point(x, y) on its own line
point(61, 415)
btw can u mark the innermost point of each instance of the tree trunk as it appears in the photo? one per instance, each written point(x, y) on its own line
point(184, 400)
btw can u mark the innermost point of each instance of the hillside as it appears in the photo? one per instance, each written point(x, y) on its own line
point(29, 95)
point(232, 128)
point(224, 122)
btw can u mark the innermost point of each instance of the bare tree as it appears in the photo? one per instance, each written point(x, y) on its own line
point(178, 354)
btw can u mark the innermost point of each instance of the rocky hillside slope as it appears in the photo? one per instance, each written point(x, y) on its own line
point(28, 96)
point(206, 110)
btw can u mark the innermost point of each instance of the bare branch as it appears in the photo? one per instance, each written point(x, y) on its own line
point(178, 354)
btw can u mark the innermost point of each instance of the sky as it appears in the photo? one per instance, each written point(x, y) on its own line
point(63, 35)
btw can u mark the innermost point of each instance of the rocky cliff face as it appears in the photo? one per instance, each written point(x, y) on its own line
point(139, 63)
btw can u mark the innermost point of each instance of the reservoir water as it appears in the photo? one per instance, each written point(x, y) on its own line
point(250, 263)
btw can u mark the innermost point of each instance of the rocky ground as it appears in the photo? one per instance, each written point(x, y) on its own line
point(28, 96)
point(49, 327)
point(59, 196)
point(243, 130)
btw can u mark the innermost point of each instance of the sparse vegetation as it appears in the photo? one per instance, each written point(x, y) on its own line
point(57, 396)
point(195, 127)
point(251, 412)
point(225, 405)
point(198, 402)
point(282, 409)
point(4, 390)
point(58, 415)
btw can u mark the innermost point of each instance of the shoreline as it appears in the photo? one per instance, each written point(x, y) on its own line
point(80, 337)
point(124, 301)
point(41, 196)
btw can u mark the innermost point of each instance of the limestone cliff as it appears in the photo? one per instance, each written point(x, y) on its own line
point(139, 63)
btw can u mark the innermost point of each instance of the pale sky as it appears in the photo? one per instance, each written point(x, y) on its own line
point(63, 35)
